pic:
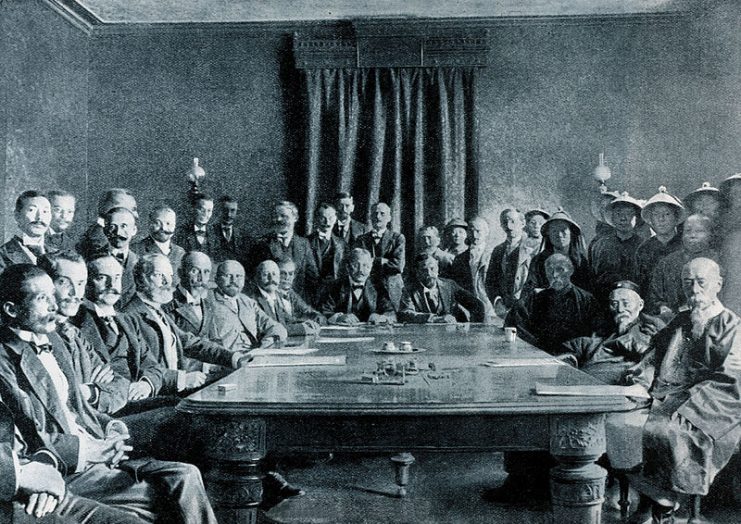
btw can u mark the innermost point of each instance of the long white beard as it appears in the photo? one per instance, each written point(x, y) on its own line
point(623, 325)
point(699, 318)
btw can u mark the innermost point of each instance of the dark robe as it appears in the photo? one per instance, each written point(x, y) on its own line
point(665, 288)
point(694, 425)
point(612, 260)
point(548, 319)
point(537, 279)
point(648, 255)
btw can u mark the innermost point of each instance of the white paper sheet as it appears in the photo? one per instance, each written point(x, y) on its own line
point(341, 340)
point(258, 352)
point(635, 390)
point(521, 362)
point(285, 360)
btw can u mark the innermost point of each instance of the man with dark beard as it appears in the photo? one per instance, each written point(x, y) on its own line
point(192, 305)
point(694, 371)
point(162, 222)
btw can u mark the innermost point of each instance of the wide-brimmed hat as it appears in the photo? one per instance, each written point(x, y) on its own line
point(725, 186)
point(663, 197)
point(704, 189)
point(537, 211)
point(622, 199)
point(456, 222)
point(598, 204)
point(562, 216)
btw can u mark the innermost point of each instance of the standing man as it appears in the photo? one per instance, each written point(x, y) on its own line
point(430, 299)
point(191, 307)
point(347, 228)
point(265, 291)
point(694, 371)
point(197, 235)
point(284, 243)
point(162, 222)
point(169, 343)
point(94, 240)
point(119, 226)
point(63, 206)
point(388, 249)
point(32, 215)
point(613, 256)
point(328, 250)
point(663, 213)
point(534, 220)
point(509, 263)
point(470, 267)
point(428, 243)
point(231, 243)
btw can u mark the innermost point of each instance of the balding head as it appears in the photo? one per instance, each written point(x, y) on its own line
point(478, 231)
point(230, 278)
point(701, 282)
point(195, 273)
point(104, 280)
point(558, 270)
point(267, 276)
point(380, 216)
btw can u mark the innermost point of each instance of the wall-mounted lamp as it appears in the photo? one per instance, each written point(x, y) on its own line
point(602, 173)
point(195, 174)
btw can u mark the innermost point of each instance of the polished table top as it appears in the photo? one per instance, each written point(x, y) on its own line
point(460, 384)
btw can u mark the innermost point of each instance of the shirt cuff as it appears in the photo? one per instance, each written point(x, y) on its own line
point(94, 394)
point(236, 357)
point(151, 386)
point(181, 380)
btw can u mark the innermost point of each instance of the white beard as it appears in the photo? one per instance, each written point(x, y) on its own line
point(700, 318)
point(623, 325)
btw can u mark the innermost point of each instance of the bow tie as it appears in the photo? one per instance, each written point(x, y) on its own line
point(377, 236)
point(41, 348)
point(120, 257)
point(200, 229)
point(356, 287)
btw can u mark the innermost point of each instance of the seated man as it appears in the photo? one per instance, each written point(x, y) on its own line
point(430, 299)
point(239, 323)
point(37, 384)
point(114, 336)
point(558, 313)
point(264, 291)
point(355, 298)
point(665, 296)
point(169, 343)
point(470, 267)
point(192, 304)
point(694, 373)
point(162, 221)
point(292, 302)
point(32, 215)
point(99, 384)
point(63, 207)
point(608, 357)
point(32, 488)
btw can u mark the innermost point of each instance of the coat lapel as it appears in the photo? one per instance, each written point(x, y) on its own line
point(89, 330)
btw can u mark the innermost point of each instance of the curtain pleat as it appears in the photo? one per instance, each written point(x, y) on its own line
point(406, 136)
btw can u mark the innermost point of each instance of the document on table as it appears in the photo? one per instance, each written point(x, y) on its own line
point(520, 362)
point(296, 360)
point(338, 328)
point(260, 352)
point(341, 340)
point(635, 390)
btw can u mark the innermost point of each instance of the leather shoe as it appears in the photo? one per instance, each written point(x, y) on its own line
point(275, 488)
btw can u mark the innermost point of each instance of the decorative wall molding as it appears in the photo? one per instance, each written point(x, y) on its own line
point(74, 14)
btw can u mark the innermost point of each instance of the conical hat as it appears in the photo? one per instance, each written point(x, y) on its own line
point(663, 197)
point(623, 198)
point(559, 215)
point(725, 186)
point(537, 211)
point(704, 189)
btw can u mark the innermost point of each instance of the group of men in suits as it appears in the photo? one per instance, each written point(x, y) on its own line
point(134, 325)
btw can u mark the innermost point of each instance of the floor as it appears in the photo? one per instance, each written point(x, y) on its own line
point(444, 488)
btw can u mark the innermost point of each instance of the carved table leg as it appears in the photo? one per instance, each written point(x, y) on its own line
point(577, 483)
point(233, 448)
point(402, 463)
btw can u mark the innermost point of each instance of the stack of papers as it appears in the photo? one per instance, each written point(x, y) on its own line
point(636, 390)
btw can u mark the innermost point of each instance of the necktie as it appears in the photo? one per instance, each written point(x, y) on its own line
point(110, 331)
point(111, 324)
point(121, 258)
point(36, 249)
point(227, 230)
point(341, 231)
point(431, 300)
point(200, 234)
point(169, 343)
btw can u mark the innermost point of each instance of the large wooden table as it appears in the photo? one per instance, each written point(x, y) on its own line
point(476, 408)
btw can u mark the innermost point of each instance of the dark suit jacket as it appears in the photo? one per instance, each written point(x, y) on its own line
point(328, 266)
point(356, 229)
point(451, 298)
point(185, 317)
point(139, 362)
point(59, 241)
point(128, 286)
point(299, 250)
point(27, 390)
point(110, 397)
point(186, 238)
point(12, 252)
point(92, 242)
point(392, 247)
point(148, 245)
point(337, 298)
point(500, 277)
point(236, 248)
point(188, 345)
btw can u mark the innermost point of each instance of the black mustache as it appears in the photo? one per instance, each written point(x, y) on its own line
point(110, 291)
point(39, 223)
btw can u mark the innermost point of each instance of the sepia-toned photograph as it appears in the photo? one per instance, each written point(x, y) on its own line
point(370, 261)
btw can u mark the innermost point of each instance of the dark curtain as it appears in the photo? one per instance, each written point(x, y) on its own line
point(404, 136)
